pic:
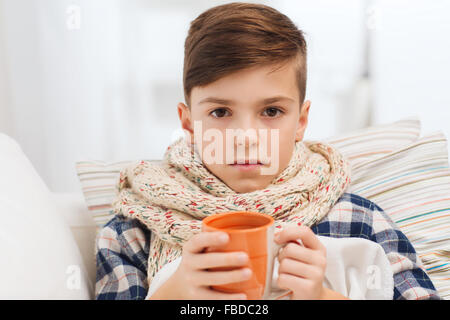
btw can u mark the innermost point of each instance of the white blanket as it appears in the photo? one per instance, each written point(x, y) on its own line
point(357, 268)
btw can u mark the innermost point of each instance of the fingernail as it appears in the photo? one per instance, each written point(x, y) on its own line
point(223, 237)
point(247, 273)
point(243, 257)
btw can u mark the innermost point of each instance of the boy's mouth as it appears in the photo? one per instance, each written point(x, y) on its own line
point(246, 165)
point(246, 162)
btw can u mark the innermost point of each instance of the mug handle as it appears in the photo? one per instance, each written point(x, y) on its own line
point(271, 291)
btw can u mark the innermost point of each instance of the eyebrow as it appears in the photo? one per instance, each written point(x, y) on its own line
point(231, 102)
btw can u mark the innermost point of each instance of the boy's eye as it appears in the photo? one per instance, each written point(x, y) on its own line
point(222, 112)
point(272, 111)
point(219, 112)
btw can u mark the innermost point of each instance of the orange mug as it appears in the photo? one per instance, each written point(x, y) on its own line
point(252, 233)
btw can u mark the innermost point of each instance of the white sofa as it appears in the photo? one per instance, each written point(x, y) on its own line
point(46, 239)
point(83, 229)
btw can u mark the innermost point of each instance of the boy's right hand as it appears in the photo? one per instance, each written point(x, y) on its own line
point(192, 279)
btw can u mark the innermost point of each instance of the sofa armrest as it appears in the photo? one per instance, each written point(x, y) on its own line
point(81, 223)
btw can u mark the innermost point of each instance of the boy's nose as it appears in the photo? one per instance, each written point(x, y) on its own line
point(246, 131)
point(247, 139)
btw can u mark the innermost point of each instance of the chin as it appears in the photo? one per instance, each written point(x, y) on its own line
point(246, 187)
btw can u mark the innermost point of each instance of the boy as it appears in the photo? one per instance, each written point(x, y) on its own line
point(244, 69)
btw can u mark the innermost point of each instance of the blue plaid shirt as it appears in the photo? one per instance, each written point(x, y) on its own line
point(123, 247)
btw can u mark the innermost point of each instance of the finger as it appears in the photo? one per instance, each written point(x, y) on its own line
point(299, 269)
point(211, 278)
point(202, 240)
point(288, 281)
point(207, 293)
point(219, 259)
point(303, 254)
point(305, 234)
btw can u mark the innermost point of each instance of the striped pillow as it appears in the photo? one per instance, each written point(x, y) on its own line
point(375, 141)
point(98, 183)
point(98, 178)
point(407, 176)
point(412, 185)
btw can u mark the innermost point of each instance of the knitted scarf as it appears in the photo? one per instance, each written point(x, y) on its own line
point(171, 197)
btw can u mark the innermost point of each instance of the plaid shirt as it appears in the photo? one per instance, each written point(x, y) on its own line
point(123, 247)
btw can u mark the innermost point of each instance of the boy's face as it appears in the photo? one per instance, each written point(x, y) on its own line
point(243, 107)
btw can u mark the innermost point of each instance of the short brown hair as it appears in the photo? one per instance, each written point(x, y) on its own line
point(239, 35)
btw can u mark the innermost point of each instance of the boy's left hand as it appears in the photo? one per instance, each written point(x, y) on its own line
point(302, 268)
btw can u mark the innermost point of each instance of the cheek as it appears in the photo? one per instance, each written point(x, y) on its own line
point(215, 169)
point(286, 136)
point(212, 143)
point(286, 145)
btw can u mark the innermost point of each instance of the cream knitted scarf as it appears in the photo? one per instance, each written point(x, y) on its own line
point(172, 197)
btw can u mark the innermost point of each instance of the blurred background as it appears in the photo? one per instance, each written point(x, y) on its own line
point(101, 79)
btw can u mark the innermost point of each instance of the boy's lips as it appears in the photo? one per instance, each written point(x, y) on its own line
point(246, 162)
point(246, 165)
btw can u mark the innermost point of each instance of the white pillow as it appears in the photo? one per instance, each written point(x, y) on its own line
point(40, 259)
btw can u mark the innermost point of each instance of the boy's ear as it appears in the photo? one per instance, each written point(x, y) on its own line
point(303, 121)
point(185, 118)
